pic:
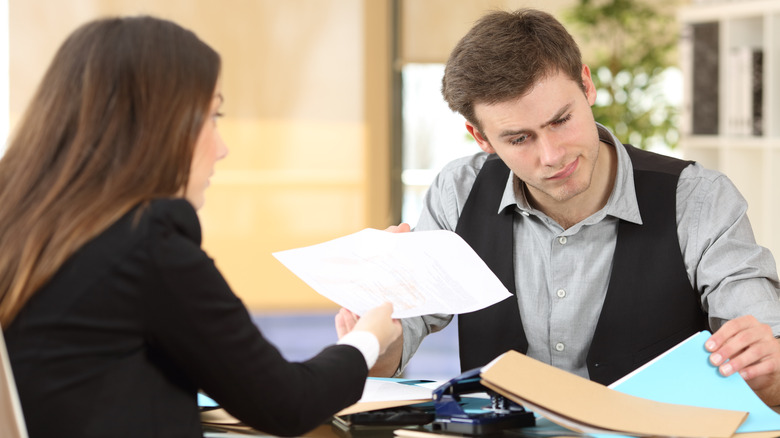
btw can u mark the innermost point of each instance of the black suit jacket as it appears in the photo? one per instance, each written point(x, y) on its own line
point(119, 341)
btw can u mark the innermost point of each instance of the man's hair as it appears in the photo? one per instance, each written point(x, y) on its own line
point(504, 55)
point(113, 125)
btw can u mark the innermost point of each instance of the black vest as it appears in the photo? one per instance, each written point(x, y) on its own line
point(650, 305)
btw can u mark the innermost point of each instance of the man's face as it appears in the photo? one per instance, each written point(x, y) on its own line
point(548, 137)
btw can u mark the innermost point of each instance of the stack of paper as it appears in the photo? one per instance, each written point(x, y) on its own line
point(679, 394)
point(382, 393)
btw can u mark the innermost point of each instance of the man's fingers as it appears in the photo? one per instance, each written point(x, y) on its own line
point(760, 334)
point(736, 344)
point(737, 362)
point(729, 330)
point(345, 322)
point(401, 228)
point(746, 347)
point(759, 369)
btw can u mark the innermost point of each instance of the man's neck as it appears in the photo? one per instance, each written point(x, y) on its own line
point(572, 211)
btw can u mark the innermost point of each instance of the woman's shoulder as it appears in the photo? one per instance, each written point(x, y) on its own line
point(145, 227)
point(171, 234)
point(172, 216)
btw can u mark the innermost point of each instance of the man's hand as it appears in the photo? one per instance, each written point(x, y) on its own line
point(745, 346)
point(400, 228)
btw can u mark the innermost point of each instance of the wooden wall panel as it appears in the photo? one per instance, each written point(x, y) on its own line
point(431, 28)
point(307, 159)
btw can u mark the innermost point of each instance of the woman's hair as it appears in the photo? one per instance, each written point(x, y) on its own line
point(112, 125)
point(504, 55)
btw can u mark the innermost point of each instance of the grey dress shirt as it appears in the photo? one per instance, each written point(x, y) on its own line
point(565, 273)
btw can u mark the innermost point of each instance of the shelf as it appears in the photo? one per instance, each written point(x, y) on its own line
point(712, 11)
point(730, 58)
point(716, 141)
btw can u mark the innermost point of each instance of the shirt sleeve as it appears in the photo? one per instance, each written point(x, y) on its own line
point(734, 274)
point(196, 324)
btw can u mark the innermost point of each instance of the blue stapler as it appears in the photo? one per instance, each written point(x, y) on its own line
point(456, 416)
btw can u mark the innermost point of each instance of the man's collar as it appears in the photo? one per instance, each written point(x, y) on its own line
point(622, 203)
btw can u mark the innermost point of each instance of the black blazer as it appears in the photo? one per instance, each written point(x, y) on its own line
point(132, 325)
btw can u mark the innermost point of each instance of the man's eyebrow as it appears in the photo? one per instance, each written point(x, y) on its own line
point(513, 132)
point(557, 115)
point(553, 119)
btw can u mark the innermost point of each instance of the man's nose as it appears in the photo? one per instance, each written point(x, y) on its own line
point(551, 153)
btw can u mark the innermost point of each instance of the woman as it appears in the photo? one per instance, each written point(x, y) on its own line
point(113, 315)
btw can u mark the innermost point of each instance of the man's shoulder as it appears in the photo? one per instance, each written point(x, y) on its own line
point(710, 182)
point(697, 171)
point(449, 191)
point(473, 161)
point(464, 167)
point(644, 160)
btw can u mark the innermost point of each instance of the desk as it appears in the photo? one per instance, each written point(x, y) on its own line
point(327, 431)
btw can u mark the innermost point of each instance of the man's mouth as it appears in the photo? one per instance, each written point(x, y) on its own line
point(566, 171)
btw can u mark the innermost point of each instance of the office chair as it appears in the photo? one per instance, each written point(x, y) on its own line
point(11, 418)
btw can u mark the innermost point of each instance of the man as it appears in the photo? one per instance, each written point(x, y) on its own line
point(614, 254)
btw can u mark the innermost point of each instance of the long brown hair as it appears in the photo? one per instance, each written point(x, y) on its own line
point(112, 125)
point(504, 55)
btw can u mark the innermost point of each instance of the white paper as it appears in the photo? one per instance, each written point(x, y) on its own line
point(421, 273)
point(381, 390)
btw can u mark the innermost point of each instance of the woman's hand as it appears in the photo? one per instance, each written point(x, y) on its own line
point(379, 321)
point(387, 331)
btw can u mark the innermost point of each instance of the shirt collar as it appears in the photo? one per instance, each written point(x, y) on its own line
point(622, 203)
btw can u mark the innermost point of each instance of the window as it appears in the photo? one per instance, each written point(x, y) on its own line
point(433, 135)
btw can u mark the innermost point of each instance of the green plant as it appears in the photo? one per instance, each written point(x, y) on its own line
point(630, 48)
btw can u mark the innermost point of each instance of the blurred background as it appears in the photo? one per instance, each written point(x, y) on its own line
point(335, 121)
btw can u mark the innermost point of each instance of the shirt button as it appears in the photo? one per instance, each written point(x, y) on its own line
point(525, 213)
point(559, 346)
point(562, 240)
point(561, 293)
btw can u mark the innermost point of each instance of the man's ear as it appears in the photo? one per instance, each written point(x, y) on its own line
point(587, 83)
point(483, 143)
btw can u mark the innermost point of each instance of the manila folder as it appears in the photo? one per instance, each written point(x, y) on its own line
point(585, 406)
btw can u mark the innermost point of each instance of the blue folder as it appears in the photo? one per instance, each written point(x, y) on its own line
point(685, 376)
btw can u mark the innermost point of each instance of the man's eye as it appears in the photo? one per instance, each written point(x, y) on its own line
point(519, 140)
point(562, 120)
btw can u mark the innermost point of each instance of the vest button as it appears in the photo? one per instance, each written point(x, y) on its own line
point(561, 293)
point(559, 346)
point(562, 240)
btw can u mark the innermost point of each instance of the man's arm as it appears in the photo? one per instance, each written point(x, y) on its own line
point(394, 360)
point(735, 276)
point(744, 345)
point(441, 210)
